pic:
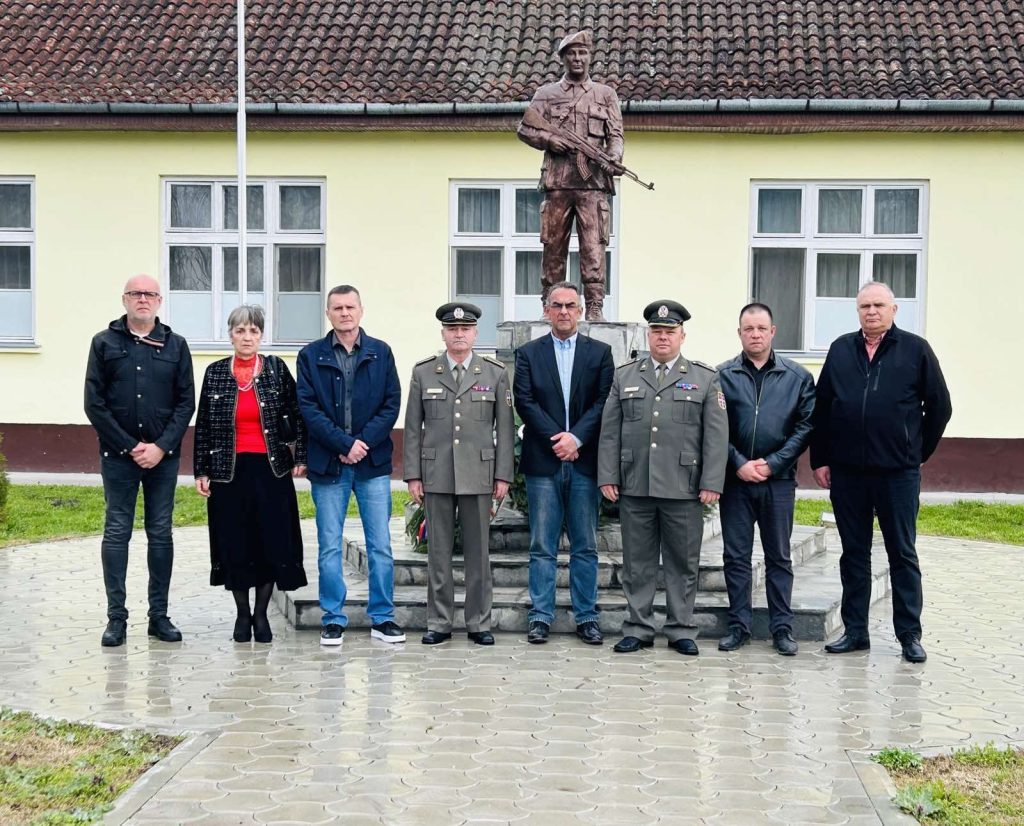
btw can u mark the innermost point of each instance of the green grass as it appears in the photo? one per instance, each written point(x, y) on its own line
point(54, 772)
point(964, 520)
point(897, 759)
point(42, 512)
point(975, 786)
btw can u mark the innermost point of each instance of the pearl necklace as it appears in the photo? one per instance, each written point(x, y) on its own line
point(257, 369)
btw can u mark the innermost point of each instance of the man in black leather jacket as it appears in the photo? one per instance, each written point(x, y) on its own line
point(770, 400)
point(140, 396)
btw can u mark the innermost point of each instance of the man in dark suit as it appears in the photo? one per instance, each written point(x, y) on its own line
point(561, 383)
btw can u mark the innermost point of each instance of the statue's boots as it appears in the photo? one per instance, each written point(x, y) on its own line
point(594, 296)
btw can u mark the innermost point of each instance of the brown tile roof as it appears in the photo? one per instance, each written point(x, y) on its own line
point(443, 51)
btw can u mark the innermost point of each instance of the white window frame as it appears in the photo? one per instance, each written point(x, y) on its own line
point(865, 242)
point(271, 238)
point(17, 237)
point(509, 242)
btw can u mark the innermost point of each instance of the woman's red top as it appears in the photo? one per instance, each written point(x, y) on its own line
point(248, 425)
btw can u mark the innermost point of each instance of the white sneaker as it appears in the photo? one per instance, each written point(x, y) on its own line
point(387, 632)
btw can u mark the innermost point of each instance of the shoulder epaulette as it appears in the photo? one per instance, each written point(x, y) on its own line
point(426, 360)
point(702, 364)
point(626, 364)
point(493, 360)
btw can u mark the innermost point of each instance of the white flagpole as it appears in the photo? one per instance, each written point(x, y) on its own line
point(242, 190)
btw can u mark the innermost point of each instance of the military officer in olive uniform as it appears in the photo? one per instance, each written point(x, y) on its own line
point(662, 455)
point(458, 454)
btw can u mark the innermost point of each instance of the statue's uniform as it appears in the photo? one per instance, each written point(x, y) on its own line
point(458, 440)
point(662, 442)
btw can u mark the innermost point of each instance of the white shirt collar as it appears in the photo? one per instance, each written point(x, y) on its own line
point(452, 362)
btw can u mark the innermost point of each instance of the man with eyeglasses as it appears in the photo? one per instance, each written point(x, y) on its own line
point(561, 383)
point(140, 396)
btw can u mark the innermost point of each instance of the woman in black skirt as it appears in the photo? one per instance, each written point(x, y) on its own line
point(250, 441)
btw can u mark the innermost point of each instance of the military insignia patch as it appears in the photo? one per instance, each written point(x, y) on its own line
point(662, 311)
point(458, 312)
point(508, 397)
point(682, 385)
point(481, 388)
point(721, 399)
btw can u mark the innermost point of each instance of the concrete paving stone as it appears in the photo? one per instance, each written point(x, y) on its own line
point(631, 745)
point(171, 811)
point(559, 781)
point(262, 781)
point(244, 802)
point(619, 814)
point(193, 790)
point(307, 792)
point(506, 756)
point(550, 802)
point(796, 813)
point(295, 812)
point(491, 811)
point(694, 815)
point(730, 782)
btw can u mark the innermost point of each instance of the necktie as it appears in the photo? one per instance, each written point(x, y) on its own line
point(660, 371)
point(459, 371)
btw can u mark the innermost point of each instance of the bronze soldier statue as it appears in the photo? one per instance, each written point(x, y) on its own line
point(576, 183)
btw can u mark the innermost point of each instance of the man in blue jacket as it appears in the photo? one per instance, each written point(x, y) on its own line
point(881, 409)
point(770, 400)
point(349, 395)
point(561, 383)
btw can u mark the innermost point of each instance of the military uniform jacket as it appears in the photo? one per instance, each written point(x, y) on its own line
point(458, 440)
point(669, 440)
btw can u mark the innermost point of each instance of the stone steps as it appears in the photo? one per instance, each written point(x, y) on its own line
point(816, 593)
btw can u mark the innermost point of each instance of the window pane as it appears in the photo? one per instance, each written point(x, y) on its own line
point(778, 281)
point(898, 271)
point(254, 217)
point(192, 268)
point(839, 211)
point(191, 206)
point(838, 275)
point(778, 210)
point(299, 269)
point(16, 206)
point(15, 268)
point(573, 274)
point(480, 210)
point(528, 203)
point(528, 272)
point(300, 207)
point(896, 211)
point(478, 272)
point(253, 263)
point(16, 314)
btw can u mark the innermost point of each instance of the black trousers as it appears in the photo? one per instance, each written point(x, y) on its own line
point(857, 496)
point(770, 505)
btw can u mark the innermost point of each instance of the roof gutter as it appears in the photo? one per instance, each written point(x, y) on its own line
point(752, 105)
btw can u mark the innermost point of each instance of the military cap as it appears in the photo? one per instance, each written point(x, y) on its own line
point(582, 38)
point(458, 313)
point(665, 313)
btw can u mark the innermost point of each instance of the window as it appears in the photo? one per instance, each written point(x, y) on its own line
point(496, 252)
point(17, 259)
point(813, 244)
point(285, 251)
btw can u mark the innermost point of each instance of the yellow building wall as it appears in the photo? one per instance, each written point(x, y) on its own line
point(98, 220)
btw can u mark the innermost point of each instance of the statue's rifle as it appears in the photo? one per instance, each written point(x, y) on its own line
point(585, 150)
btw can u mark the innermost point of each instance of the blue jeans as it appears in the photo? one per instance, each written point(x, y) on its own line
point(373, 497)
point(121, 480)
point(568, 498)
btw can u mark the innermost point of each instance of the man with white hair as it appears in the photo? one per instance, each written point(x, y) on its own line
point(880, 410)
point(139, 395)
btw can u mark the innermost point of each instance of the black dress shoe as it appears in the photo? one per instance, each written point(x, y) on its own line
point(115, 633)
point(481, 637)
point(590, 632)
point(243, 630)
point(688, 647)
point(435, 637)
point(627, 645)
point(783, 642)
point(736, 638)
point(913, 651)
point(163, 629)
point(538, 632)
point(847, 643)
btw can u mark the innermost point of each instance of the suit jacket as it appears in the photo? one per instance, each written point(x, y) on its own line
point(668, 439)
point(459, 439)
point(541, 406)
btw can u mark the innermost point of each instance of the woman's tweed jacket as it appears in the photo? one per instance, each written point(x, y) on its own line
point(214, 454)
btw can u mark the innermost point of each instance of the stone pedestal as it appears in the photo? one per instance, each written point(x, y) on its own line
point(628, 339)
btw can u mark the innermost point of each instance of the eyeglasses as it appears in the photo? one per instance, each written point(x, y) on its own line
point(137, 294)
point(558, 305)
